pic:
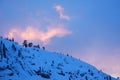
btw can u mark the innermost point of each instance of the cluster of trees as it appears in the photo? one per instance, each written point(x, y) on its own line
point(3, 50)
point(26, 44)
point(12, 39)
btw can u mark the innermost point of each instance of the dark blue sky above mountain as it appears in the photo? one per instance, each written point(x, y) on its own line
point(89, 30)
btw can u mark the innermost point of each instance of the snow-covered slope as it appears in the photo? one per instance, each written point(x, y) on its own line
point(20, 63)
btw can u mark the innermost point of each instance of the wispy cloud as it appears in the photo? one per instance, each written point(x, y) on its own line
point(61, 12)
point(44, 34)
point(32, 33)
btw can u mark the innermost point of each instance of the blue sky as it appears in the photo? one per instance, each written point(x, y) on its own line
point(89, 30)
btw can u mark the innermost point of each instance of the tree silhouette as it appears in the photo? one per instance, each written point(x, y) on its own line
point(25, 43)
point(12, 39)
point(4, 51)
point(30, 44)
point(43, 48)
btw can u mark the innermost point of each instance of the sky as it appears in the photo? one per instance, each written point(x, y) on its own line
point(88, 30)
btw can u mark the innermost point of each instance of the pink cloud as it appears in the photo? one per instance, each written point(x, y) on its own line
point(61, 13)
point(32, 33)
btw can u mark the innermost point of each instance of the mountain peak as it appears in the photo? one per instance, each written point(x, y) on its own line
point(18, 62)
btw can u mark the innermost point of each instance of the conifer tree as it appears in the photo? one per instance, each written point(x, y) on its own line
point(25, 43)
point(4, 51)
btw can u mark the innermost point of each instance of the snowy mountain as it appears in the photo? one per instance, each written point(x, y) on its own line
point(32, 63)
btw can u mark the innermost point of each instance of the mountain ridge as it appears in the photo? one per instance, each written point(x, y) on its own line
point(18, 62)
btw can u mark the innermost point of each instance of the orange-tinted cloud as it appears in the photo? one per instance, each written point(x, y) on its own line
point(61, 11)
point(32, 33)
point(55, 29)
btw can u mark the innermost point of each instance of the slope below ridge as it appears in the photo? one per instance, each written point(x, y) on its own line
point(30, 63)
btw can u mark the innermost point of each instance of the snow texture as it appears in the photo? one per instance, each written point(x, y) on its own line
point(31, 63)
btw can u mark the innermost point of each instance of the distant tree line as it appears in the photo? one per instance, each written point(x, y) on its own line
point(25, 43)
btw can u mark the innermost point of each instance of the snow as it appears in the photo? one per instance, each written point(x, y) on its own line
point(30, 63)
